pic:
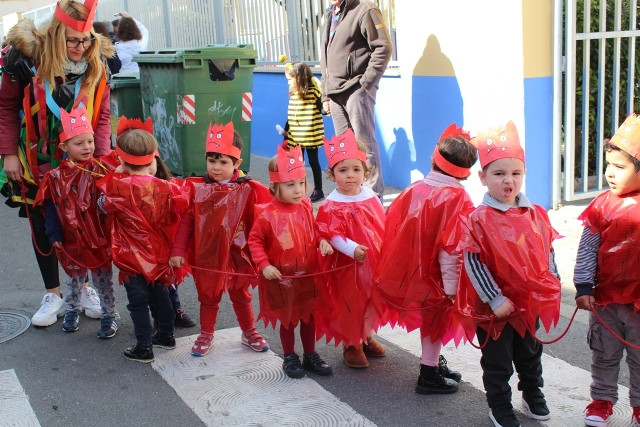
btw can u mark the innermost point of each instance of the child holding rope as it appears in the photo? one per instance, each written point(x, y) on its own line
point(509, 265)
point(428, 217)
point(77, 231)
point(607, 273)
point(283, 245)
point(216, 227)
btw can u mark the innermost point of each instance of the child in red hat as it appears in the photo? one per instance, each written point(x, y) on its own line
point(511, 281)
point(607, 274)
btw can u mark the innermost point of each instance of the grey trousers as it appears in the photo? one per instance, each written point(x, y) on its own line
point(608, 350)
point(356, 109)
point(102, 281)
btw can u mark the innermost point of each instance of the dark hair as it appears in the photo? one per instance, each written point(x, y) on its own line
point(115, 22)
point(458, 151)
point(302, 78)
point(162, 170)
point(608, 147)
point(101, 28)
point(237, 142)
point(128, 30)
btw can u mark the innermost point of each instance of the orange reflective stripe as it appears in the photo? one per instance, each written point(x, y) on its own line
point(97, 100)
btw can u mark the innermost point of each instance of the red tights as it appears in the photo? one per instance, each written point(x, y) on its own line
point(307, 336)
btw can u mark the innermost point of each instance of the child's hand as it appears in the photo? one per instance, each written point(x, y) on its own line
point(505, 309)
point(57, 245)
point(325, 248)
point(271, 273)
point(119, 169)
point(176, 261)
point(360, 252)
point(585, 302)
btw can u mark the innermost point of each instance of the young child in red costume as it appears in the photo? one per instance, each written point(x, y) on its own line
point(352, 220)
point(607, 274)
point(77, 231)
point(283, 243)
point(510, 282)
point(146, 211)
point(416, 288)
point(216, 228)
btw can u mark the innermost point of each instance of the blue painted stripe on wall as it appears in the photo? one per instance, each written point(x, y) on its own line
point(538, 116)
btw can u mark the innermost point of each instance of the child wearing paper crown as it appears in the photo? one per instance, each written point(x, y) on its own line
point(352, 220)
point(146, 211)
point(77, 231)
point(510, 283)
point(429, 218)
point(283, 244)
point(213, 237)
point(607, 274)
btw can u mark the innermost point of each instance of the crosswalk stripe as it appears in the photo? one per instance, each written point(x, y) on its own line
point(14, 403)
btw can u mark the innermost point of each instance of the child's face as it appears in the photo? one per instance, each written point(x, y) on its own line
point(349, 175)
point(621, 174)
point(292, 191)
point(222, 168)
point(80, 148)
point(503, 178)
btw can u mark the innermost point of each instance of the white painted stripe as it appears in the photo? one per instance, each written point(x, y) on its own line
point(234, 385)
point(566, 387)
point(15, 408)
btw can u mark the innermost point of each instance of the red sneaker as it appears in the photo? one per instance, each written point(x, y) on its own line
point(254, 340)
point(598, 412)
point(202, 344)
point(636, 416)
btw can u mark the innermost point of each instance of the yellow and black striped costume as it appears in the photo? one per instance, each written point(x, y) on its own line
point(305, 119)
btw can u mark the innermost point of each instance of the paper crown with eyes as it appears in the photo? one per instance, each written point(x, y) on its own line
point(290, 165)
point(498, 143)
point(220, 140)
point(341, 147)
point(75, 122)
point(445, 165)
point(79, 25)
point(627, 137)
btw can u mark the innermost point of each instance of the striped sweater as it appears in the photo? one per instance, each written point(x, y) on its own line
point(304, 118)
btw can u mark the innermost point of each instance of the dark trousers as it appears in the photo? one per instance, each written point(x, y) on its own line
point(48, 264)
point(312, 155)
point(140, 295)
point(498, 359)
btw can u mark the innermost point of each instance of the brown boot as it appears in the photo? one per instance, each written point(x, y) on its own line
point(373, 348)
point(354, 357)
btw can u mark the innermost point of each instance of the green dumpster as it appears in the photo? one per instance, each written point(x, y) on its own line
point(183, 90)
point(125, 98)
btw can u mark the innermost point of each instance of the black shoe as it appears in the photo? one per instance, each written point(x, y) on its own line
point(183, 320)
point(314, 363)
point(535, 405)
point(139, 353)
point(71, 320)
point(431, 381)
point(166, 341)
point(292, 366)
point(316, 196)
point(108, 328)
point(448, 372)
point(504, 417)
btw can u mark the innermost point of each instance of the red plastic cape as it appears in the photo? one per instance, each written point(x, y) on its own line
point(145, 213)
point(421, 221)
point(351, 318)
point(223, 216)
point(617, 219)
point(291, 248)
point(72, 189)
point(515, 247)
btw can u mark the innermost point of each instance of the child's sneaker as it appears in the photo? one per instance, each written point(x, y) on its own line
point(202, 344)
point(183, 320)
point(139, 353)
point(47, 314)
point(108, 328)
point(71, 320)
point(431, 381)
point(597, 413)
point(166, 341)
point(447, 372)
point(292, 366)
point(90, 303)
point(635, 418)
point(534, 405)
point(504, 417)
point(254, 340)
point(314, 363)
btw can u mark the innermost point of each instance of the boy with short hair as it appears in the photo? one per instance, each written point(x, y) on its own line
point(215, 232)
point(510, 266)
point(609, 247)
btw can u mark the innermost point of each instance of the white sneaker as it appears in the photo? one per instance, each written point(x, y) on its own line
point(90, 303)
point(48, 313)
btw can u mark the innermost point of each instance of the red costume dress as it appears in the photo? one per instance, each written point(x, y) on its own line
point(616, 219)
point(424, 219)
point(351, 318)
point(72, 189)
point(283, 236)
point(515, 245)
point(146, 211)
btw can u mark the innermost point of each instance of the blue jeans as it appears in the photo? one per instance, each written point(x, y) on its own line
point(140, 295)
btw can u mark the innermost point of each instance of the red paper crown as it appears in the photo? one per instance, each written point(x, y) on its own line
point(445, 165)
point(627, 137)
point(499, 143)
point(125, 124)
point(290, 165)
point(342, 147)
point(220, 140)
point(82, 26)
point(74, 123)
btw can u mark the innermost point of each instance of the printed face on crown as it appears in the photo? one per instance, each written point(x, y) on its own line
point(220, 140)
point(341, 147)
point(290, 165)
point(75, 122)
point(499, 143)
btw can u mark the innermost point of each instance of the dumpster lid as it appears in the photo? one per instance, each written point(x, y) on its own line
point(131, 79)
point(212, 51)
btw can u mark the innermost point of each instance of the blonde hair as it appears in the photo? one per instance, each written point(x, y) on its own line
point(137, 142)
point(274, 187)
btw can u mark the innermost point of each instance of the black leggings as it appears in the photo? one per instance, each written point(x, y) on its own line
point(48, 264)
point(312, 155)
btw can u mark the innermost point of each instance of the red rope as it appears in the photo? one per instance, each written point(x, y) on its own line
point(300, 276)
point(486, 340)
point(611, 331)
point(559, 337)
